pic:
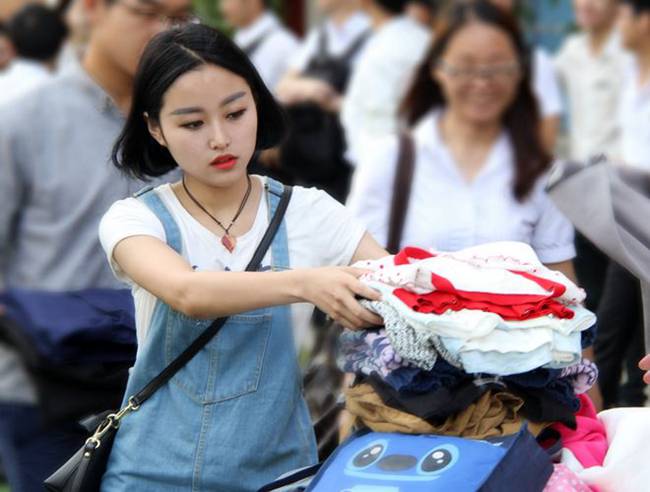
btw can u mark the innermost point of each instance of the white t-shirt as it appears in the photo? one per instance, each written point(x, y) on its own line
point(634, 118)
point(21, 77)
point(593, 85)
point(271, 58)
point(379, 81)
point(545, 85)
point(320, 232)
point(447, 213)
point(339, 39)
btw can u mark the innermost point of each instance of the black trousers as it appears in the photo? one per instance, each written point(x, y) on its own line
point(619, 341)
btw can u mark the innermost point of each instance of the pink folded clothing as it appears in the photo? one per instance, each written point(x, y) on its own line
point(588, 442)
point(564, 480)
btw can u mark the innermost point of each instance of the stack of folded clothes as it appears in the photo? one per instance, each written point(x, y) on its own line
point(475, 343)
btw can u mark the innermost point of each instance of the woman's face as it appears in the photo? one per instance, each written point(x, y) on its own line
point(479, 73)
point(208, 121)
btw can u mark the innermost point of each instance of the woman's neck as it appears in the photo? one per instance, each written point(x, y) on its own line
point(217, 200)
point(458, 130)
point(468, 142)
point(341, 15)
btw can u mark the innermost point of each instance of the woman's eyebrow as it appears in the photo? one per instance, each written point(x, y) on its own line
point(190, 110)
point(232, 98)
point(196, 109)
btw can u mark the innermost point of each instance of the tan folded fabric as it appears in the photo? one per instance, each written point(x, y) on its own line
point(494, 414)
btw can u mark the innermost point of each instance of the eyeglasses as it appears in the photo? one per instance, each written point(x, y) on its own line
point(500, 73)
point(151, 13)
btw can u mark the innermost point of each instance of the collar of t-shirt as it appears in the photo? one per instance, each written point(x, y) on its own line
point(435, 150)
point(265, 23)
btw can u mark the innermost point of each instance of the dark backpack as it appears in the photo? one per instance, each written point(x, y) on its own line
point(314, 151)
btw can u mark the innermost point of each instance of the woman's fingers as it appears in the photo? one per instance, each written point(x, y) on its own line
point(644, 363)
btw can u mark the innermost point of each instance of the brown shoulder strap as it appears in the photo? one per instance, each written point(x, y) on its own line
point(401, 191)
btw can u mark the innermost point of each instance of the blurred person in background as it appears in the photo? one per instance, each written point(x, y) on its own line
point(545, 86)
point(7, 51)
point(56, 182)
point(37, 33)
point(479, 161)
point(590, 65)
point(423, 12)
point(312, 91)
point(261, 35)
point(634, 112)
point(382, 75)
point(72, 51)
point(619, 343)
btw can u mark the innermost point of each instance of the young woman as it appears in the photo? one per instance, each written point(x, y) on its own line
point(233, 418)
point(479, 160)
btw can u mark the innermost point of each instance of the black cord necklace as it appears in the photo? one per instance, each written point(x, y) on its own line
point(228, 241)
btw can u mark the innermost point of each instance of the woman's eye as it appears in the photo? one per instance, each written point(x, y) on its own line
point(236, 115)
point(192, 125)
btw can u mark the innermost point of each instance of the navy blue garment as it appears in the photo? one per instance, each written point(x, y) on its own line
point(87, 326)
point(412, 379)
point(589, 336)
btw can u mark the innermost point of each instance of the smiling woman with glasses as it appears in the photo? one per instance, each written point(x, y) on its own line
point(478, 162)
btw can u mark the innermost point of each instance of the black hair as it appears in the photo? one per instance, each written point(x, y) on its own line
point(392, 6)
point(37, 32)
point(639, 5)
point(432, 5)
point(521, 120)
point(168, 56)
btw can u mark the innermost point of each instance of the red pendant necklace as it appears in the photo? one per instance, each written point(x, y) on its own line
point(229, 242)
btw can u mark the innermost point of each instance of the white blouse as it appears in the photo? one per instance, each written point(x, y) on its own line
point(448, 213)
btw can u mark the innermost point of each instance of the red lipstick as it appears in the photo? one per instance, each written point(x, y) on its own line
point(224, 162)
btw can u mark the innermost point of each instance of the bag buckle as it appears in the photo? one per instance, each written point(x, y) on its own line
point(111, 421)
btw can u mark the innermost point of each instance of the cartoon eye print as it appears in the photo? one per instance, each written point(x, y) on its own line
point(438, 459)
point(370, 455)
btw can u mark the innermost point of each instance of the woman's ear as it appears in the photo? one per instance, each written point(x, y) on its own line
point(154, 129)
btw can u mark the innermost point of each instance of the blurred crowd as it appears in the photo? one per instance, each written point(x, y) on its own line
point(434, 130)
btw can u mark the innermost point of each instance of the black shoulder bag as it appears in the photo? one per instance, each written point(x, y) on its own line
point(83, 472)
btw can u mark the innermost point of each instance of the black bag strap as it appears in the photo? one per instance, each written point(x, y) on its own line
point(356, 45)
point(401, 191)
point(177, 364)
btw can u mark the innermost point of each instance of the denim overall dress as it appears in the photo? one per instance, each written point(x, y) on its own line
point(234, 417)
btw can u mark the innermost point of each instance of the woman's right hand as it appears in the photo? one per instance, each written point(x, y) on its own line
point(333, 291)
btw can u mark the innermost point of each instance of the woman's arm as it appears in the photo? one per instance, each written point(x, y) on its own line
point(368, 249)
point(565, 267)
point(154, 266)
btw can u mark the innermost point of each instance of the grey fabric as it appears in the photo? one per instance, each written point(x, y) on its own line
point(56, 182)
point(611, 207)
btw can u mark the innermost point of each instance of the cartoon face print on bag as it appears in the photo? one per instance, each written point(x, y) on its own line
point(388, 462)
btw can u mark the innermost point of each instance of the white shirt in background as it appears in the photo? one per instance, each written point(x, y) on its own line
point(271, 58)
point(339, 39)
point(320, 232)
point(545, 85)
point(380, 80)
point(593, 85)
point(21, 77)
point(634, 119)
point(448, 213)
